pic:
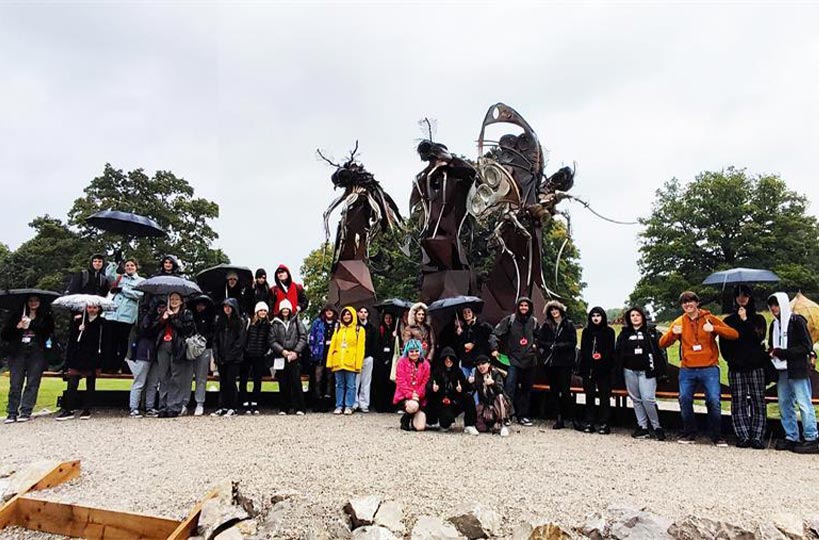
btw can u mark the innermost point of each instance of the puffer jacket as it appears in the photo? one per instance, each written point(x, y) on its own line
point(421, 332)
point(290, 335)
point(258, 341)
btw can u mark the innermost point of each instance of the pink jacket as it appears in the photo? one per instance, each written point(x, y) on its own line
point(409, 378)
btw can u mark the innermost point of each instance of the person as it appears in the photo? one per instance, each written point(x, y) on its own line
point(790, 345)
point(228, 350)
point(642, 360)
point(257, 353)
point(261, 289)
point(233, 289)
point(203, 321)
point(596, 365)
point(697, 330)
point(448, 395)
point(418, 327)
point(319, 339)
point(92, 280)
point(143, 366)
point(746, 358)
point(383, 389)
point(29, 337)
point(345, 357)
point(411, 377)
point(288, 340)
point(169, 266)
point(82, 359)
point(364, 378)
point(175, 371)
point(285, 288)
point(119, 322)
point(471, 339)
point(515, 335)
point(557, 343)
point(494, 408)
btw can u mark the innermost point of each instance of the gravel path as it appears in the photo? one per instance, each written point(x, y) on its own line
point(163, 466)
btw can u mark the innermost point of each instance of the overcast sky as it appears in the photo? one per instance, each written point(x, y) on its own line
point(237, 98)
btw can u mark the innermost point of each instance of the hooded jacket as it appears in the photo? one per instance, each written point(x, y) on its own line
point(90, 281)
point(321, 333)
point(699, 348)
point(597, 347)
point(181, 327)
point(229, 337)
point(347, 345)
point(42, 328)
point(289, 290)
point(795, 345)
point(204, 321)
point(288, 335)
point(638, 349)
point(422, 332)
point(127, 299)
point(515, 335)
point(411, 377)
point(557, 343)
point(175, 269)
point(746, 353)
point(448, 380)
point(478, 334)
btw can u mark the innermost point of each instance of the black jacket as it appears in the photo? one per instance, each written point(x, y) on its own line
point(89, 281)
point(84, 352)
point(448, 381)
point(371, 341)
point(747, 352)
point(181, 327)
point(478, 334)
point(229, 336)
point(558, 345)
point(259, 340)
point(799, 346)
point(488, 392)
point(42, 326)
point(639, 350)
point(597, 348)
point(515, 336)
point(204, 324)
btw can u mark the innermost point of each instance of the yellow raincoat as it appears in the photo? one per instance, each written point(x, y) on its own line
point(347, 346)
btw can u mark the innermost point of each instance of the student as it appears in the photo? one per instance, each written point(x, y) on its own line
point(175, 371)
point(29, 336)
point(790, 347)
point(448, 395)
point(92, 280)
point(288, 339)
point(120, 322)
point(494, 408)
point(364, 379)
point(411, 377)
point(143, 366)
point(418, 327)
point(83, 358)
point(228, 351)
point(257, 348)
point(472, 340)
point(204, 322)
point(383, 389)
point(596, 365)
point(261, 288)
point(697, 330)
point(321, 334)
point(285, 289)
point(557, 343)
point(345, 357)
point(642, 359)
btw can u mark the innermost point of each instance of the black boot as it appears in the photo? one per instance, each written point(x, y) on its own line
point(406, 420)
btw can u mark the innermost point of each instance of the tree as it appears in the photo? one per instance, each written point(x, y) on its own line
point(724, 219)
point(165, 198)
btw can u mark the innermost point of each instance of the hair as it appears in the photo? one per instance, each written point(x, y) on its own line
point(689, 296)
point(256, 317)
point(413, 345)
point(773, 301)
point(132, 260)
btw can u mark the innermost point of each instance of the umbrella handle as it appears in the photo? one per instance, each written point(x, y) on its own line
point(79, 337)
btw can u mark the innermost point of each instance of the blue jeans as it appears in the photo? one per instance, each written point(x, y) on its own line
point(519, 398)
point(793, 393)
point(709, 379)
point(345, 389)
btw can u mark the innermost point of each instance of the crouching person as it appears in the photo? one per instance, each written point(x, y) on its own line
point(449, 395)
point(411, 377)
point(494, 408)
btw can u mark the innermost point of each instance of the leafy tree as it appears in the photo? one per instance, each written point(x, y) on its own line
point(724, 219)
point(165, 198)
point(315, 274)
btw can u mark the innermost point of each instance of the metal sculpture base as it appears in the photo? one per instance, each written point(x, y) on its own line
point(351, 285)
point(446, 284)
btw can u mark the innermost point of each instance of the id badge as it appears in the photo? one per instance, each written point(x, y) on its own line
point(386, 349)
point(638, 350)
point(697, 347)
point(26, 339)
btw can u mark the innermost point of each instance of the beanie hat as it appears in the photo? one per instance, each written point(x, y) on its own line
point(285, 304)
point(261, 306)
point(261, 273)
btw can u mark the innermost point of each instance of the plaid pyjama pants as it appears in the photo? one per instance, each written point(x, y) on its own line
point(748, 411)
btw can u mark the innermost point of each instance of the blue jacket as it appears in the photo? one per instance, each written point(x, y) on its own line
point(127, 300)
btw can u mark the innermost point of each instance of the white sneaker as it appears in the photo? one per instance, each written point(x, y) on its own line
point(135, 413)
point(230, 412)
point(218, 412)
point(471, 430)
point(504, 432)
point(299, 413)
point(184, 411)
point(338, 410)
point(199, 411)
point(348, 412)
point(282, 413)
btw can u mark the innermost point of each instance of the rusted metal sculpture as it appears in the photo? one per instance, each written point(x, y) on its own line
point(365, 209)
point(512, 186)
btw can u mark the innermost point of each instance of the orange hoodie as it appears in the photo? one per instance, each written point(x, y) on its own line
point(699, 348)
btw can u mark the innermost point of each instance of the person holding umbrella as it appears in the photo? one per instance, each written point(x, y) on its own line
point(118, 323)
point(92, 280)
point(173, 327)
point(418, 327)
point(228, 351)
point(28, 337)
point(83, 359)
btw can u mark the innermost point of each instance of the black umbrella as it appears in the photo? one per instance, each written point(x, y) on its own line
point(161, 285)
point(741, 275)
point(214, 278)
point(13, 299)
point(394, 306)
point(125, 223)
point(445, 306)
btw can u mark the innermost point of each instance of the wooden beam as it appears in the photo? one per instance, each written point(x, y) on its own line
point(188, 526)
point(63, 472)
point(89, 522)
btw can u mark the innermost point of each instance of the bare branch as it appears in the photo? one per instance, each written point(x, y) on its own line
point(336, 165)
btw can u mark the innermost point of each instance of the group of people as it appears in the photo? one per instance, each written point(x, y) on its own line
point(352, 363)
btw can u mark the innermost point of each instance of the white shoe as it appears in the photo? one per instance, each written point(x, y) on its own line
point(348, 412)
point(282, 413)
point(230, 412)
point(471, 430)
point(218, 412)
point(299, 413)
point(184, 411)
point(135, 413)
point(199, 411)
point(504, 432)
point(338, 410)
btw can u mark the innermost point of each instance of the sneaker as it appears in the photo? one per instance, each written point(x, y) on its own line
point(507, 422)
point(719, 442)
point(525, 422)
point(405, 422)
point(687, 439)
point(659, 434)
point(588, 428)
point(256, 411)
point(199, 411)
point(743, 443)
point(807, 447)
point(348, 412)
point(184, 411)
point(248, 411)
point(640, 433)
point(85, 415)
point(65, 415)
point(604, 429)
point(299, 413)
point(785, 444)
point(504, 432)
point(338, 410)
point(756, 444)
point(363, 410)
point(135, 413)
point(152, 413)
point(219, 412)
point(230, 412)
point(282, 413)
point(471, 430)
point(162, 414)
point(246, 405)
point(434, 425)
point(23, 418)
point(10, 419)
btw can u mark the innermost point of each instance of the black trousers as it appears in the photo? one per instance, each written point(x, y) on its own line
point(228, 395)
point(115, 341)
point(382, 389)
point(72, 399)
point(601, 387)
point(257, 366)
point(445, 415)
point(290, 387)
point(560, 381)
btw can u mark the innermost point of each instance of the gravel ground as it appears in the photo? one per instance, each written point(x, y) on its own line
point(162, 467)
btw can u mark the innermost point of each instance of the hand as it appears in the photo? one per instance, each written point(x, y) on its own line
point(469, 346)
point(495, 354)
point(82, 328)
point(743, 313)
point(20, 325)
point(708, 327)
point(435, 387)
point(165, 315)
point(676, 329)
point(415, 397)
point(489, 381)
point(459, 388)
point(471, 379)
point(459, 330)
point(293, 356)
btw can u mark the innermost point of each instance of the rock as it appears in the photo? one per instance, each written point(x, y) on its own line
point(362, 510)
point(230, 534)
point(275, 520)
point(595, 526)
point(25, 477)
point(390, 515)
point(219, 511)
point(768, 531)
point(789, 524)
point(433, 528)
point(695, 528)
point(248, 527)
point(642, 525)
point(732, 532)
point(541, 529)
point(280, 496)
point(474, 520)
point(373, 532)
point(813, 524)
point(7, 470)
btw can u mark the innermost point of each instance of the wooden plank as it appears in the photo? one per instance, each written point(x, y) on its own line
point(187, 528)
point(63, 472)
point(89, 522)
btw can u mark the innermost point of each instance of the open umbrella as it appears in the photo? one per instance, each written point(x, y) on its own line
point(78, 302)
point(740, 275)
point(213, 279)
point(394, 306)
point(125, 223)
point(809, 309)
point(161, 285)
point(445, 306)
point(14, 299)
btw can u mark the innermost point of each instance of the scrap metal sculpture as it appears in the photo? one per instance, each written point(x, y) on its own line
point(365, 209)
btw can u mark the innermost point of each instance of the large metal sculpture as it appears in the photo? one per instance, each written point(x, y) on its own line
point(365, 209)
point(439, 196)
point(511, 185)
